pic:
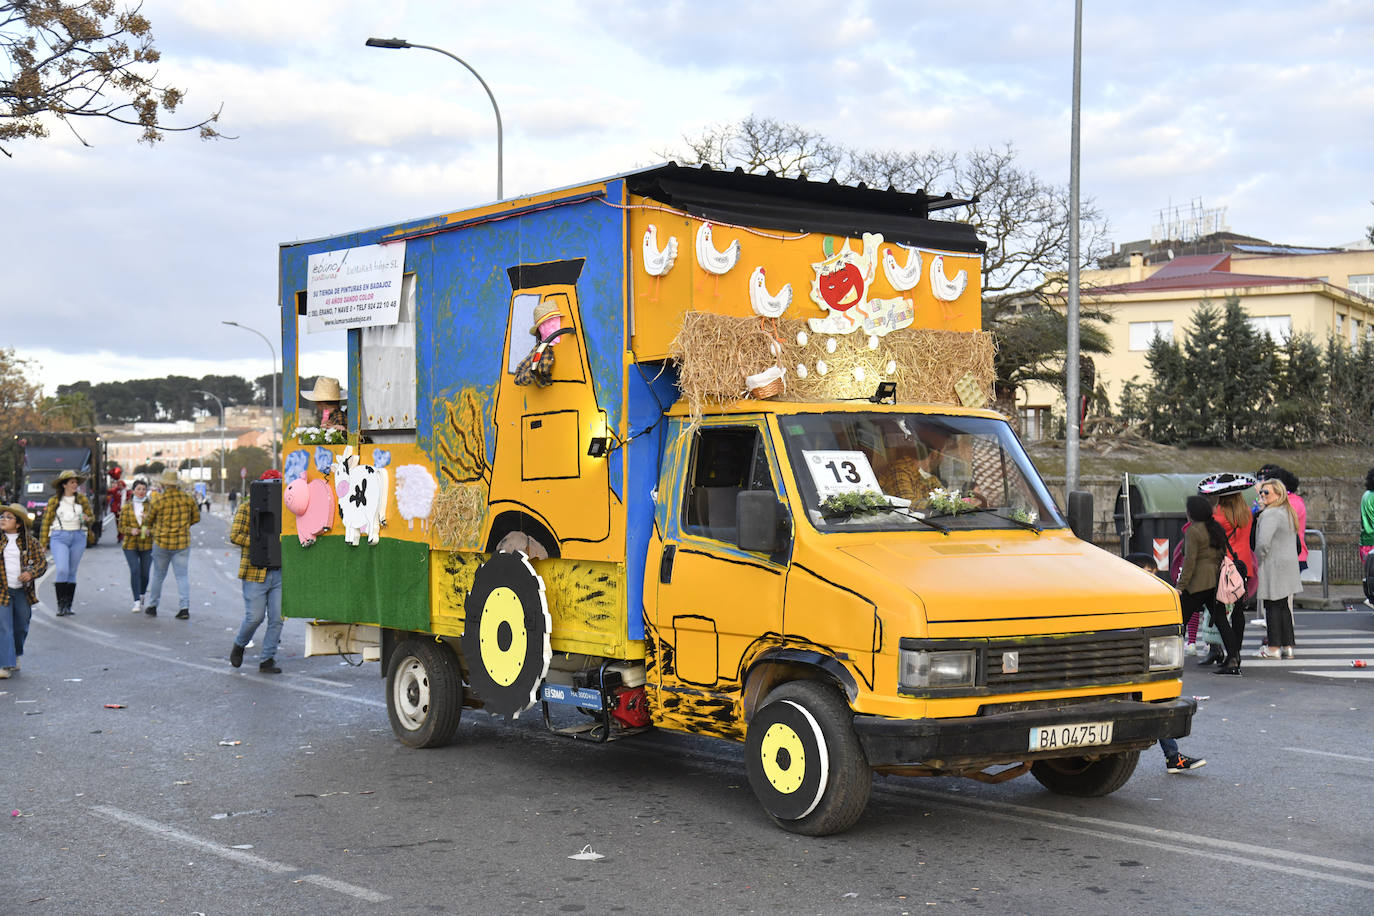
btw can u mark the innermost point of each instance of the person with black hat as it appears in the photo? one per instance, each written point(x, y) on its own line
point(23, 562)
point(66, 533)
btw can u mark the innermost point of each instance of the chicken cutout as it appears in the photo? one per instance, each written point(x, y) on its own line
point(711, 260)
point(764, 303)
point(841, 288)
point(945, 289)
point(658, 261)
point(362, 494)
point(906, 276)
point(312, 502)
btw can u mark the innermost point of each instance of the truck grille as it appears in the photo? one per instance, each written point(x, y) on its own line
point(1068, 661)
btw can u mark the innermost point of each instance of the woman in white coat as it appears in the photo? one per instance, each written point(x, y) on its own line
point(1276, 555)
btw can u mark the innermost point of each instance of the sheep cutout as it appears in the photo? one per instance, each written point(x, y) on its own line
point(362, 494)
point(415, 489)
point(312, 502)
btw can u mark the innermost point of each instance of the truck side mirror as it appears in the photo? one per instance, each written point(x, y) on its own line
point(761, 520)
point(1081, 514)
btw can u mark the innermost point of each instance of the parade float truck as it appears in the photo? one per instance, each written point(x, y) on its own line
point(707, 452)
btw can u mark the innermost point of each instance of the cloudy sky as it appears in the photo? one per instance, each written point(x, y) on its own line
point(122, 259)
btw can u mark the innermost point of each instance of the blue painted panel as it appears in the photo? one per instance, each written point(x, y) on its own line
point(651, 392)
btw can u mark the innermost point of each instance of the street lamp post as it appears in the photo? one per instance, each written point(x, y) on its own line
point(276, 421)
point(221, 435)
point(401, 43)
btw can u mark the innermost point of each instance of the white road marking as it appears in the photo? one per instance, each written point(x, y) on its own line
point(1354, 674)
point(1305, 750)
point(235, 855)
point(284, 681)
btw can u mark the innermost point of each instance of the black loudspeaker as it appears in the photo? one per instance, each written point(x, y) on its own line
point(264, 523)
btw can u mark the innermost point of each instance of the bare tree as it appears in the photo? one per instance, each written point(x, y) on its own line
point(82, 60)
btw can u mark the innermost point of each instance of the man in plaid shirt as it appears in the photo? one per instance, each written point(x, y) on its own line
point(169, 517)
point(261, 595)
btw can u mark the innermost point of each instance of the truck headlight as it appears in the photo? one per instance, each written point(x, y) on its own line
point(924, 669)
point(1166, 652)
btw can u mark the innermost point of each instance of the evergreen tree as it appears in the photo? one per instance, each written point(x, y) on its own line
point(1246, 363)
point(1131, 404)
point(1350, 397)
point(1300, 394)
point(1167, 409)
point(1204, 378)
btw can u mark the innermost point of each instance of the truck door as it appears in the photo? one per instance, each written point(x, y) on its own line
point(714, 600)
point(543, 432)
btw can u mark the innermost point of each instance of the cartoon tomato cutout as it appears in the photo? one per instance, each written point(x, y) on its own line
point(842, 289)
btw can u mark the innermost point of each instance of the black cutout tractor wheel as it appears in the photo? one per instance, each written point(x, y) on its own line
point(505, 640)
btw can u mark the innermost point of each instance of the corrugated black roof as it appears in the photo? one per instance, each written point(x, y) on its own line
point(800, 205)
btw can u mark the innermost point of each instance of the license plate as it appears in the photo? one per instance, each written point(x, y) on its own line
point(1083, 734)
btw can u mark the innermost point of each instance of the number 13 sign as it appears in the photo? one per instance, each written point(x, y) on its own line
point(840, 472)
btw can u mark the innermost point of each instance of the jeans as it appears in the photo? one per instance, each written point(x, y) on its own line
point(140, 564)
point(1170, 748)
point(67, 548)
point(259, 599)
point(178, 560)
point(14, 627)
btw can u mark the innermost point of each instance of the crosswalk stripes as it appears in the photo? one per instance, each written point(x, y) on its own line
point(1320, 652)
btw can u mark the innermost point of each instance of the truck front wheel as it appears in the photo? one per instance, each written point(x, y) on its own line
point(424, 693)
point(1086, 777)
point(805, 763)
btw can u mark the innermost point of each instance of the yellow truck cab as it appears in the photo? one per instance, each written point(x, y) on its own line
point(708, 452)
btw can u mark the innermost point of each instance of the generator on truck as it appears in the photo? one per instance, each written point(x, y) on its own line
point(41, 456)
point(708, 452)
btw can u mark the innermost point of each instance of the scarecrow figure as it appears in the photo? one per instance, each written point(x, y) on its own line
point(537, 367)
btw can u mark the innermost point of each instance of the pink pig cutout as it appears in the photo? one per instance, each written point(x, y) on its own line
point(313, 504)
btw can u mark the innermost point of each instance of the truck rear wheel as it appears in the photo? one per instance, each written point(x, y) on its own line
point(805, 763)
point(424, 693)
point(1086, 777)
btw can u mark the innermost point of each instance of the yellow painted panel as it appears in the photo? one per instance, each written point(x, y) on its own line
point(787, 259)
point(898, 707)
point(586, 602)
point(1046, 625)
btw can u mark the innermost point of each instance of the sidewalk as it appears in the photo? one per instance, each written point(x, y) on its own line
point(1340, 598)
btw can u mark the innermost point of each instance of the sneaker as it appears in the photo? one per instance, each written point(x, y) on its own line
point(269, 666)
point(1266, 652)
point(184, 614)
point(1180, 762)
point(138, 606)
point(236, 655)
point(4, 674)
point(1369, 604)
point(151, 610)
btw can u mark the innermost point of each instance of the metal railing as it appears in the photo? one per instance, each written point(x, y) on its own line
point(1317, 557)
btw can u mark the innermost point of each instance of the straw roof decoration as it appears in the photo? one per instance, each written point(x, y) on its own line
point(455, 520)
point(715, 353)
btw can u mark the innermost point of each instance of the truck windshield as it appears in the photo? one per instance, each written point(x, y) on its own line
point(902, 472)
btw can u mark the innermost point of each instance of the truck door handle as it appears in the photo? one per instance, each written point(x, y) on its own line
point(665, 564)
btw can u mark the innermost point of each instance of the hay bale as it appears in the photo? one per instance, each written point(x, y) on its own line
point(716, 352)
point(455, 521)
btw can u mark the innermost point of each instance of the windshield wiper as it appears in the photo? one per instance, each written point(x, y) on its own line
point(902, 510)
point(1029, 526)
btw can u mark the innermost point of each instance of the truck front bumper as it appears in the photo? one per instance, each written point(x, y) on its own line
point(1005, 737)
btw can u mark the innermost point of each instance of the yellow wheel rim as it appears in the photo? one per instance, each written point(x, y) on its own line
point(503, 618)
point(784, 758)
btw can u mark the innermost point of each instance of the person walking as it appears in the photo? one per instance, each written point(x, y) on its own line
point(1174, 760)
point(1276, 555)
point(261, 595)
point(67, 521)
point(1367, 525)
point(170, 516)
point(137, 538)
point(23, 562)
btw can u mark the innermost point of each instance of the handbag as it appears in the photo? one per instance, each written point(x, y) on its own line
point(1231, 581)
point(1207, 629)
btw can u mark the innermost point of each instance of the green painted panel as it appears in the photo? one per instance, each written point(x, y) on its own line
point(386, 583)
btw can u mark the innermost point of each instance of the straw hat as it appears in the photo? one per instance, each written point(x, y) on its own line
point(18, 512)
point(326, 389)
point(57, 482)
point(543, 312)
point(169, 478)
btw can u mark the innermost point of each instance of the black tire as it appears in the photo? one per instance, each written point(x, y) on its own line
point(805, 763)
point(1085, 777)
point(424, 692)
